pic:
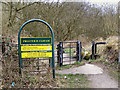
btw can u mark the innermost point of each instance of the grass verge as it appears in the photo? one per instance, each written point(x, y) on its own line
point(114, 73)
point(72, 81)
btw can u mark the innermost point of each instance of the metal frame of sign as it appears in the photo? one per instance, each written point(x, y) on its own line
point(19, 44)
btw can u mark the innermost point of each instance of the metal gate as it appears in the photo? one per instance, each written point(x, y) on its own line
point(68, 54)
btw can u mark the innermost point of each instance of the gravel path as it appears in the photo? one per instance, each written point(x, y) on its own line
point(85, 69)
point(97, 76)
point(102, 81)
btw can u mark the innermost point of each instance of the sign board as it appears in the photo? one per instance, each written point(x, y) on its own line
point(27, 51)
point(36, 47)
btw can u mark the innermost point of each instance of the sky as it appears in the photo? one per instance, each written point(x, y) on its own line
point(97, 2)
point(103, 1)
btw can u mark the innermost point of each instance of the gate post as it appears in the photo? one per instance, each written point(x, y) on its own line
point(95, 50)
point(79, 51)
point(3, 47)
point(58, 54)
point(93, 47)
point(61, 54)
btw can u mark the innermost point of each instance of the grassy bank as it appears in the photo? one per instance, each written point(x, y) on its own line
point(72, 81)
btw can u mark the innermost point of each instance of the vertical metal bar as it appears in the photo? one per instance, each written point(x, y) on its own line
point(53, 56)
point(78, 51)
point(61, 54)
point(49, 62)
point(80, 48)
point(77, 54)
point(20, 61)
point(57, 54)
point(70, 53)
point(93, 49)
point(3, 47)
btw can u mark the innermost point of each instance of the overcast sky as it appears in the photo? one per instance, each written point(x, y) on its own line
point(98, 2)
point(103, 1)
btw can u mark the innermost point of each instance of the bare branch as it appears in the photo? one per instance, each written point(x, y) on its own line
point(4, 3)
point(26, 6)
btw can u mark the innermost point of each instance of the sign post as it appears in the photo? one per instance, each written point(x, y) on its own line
point(38, 46)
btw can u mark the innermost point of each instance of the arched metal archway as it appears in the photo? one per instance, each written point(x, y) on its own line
point(19, 46)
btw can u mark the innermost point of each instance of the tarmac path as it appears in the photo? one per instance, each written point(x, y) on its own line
point(97, 76)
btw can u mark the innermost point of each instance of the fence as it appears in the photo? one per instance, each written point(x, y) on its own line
point(10, 64)
point(36, 72)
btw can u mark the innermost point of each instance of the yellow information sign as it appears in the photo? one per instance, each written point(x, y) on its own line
point(36, 54)
point(36, 48)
